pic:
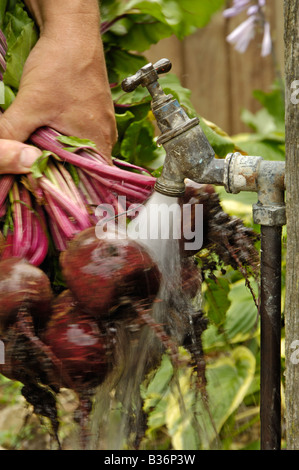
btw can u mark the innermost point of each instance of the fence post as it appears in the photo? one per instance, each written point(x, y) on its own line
point(291, 41)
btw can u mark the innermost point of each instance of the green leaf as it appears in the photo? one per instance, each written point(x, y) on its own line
point(169, 401)
point(179, 417)
point(121, 64)
point(262, 122)
point(155, 8)
point(157, 172)
point(138, 32)
point(240, 322)
point(216, 299)
point(172, 401)
point(242, 316)
point(76, 142)
point(137, 24)
point(228, 380)
point(182, 17)
point(74, 173)
point(135, 98)
point(138, 144)
point(40, 165)
point(158, 385)
point(9, 97)
point(199, 13)
point(268, 122)
point(123, 121)
point(3, 5)
point(111, 9)
point(273, 102)
point(21, 34)
point(267, 149)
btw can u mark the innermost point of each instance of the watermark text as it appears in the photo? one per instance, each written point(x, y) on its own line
point(2, 93)
point(294, 358)
point(152, 222)
point(295, 93)
point(2, 352)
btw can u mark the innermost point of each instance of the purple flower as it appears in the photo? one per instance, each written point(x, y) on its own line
point(267, 42)
point(253, 10)
point(238, 6)
point(245, 32)
point(242, 35)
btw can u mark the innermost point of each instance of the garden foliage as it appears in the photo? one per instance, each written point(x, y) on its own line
point(231, 340)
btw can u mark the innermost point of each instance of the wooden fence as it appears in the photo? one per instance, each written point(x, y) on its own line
point(221, 79)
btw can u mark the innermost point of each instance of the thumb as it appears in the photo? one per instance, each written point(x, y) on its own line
point(17, 122)
point(16, 157)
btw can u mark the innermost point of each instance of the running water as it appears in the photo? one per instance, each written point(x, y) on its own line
point(158, 227)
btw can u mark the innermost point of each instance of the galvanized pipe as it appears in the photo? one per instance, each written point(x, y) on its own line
point(189, 155)
point(270, 315)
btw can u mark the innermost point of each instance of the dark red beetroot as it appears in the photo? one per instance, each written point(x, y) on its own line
point(100, 271)
point(76, 340)
point(23, 285)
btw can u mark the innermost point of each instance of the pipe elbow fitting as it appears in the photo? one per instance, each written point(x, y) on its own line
point(266, 178)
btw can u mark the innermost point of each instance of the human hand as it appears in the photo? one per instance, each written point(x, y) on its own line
point(16, 157)
point(64, 83)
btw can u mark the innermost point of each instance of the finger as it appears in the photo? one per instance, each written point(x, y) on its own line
point(16, 158)
point(17, 123)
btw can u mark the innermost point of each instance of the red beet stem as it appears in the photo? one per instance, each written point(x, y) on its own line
point(17, 220)
point(59, 240)
point(110, 172)
point(39, 247)
point(65, 203)
point(89, 188)
point(72, 187)
point(41, 251)
point(27, 222)
point(105, 194)
point(125, 164)
point(6, 182)
point(60, 217)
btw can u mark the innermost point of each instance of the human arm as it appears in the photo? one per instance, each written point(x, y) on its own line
point(64, 83)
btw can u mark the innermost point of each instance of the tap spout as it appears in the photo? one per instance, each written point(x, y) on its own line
point(188, 155)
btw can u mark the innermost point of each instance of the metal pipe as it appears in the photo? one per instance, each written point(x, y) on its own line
point(189, 155)
point(270, 314)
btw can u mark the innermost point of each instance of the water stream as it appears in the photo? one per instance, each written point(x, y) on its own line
point(157, 226)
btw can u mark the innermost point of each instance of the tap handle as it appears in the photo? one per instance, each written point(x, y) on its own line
point(162, 66)
point(146, 75)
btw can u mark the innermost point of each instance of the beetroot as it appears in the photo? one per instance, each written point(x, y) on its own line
point(78, 343)
point(23, 285)
point(100, 272)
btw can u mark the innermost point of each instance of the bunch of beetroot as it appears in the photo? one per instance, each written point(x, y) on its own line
point(59, 198)
point(101, 275)
point(68, 340)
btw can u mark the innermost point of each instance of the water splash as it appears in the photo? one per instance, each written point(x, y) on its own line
point(157, 227)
